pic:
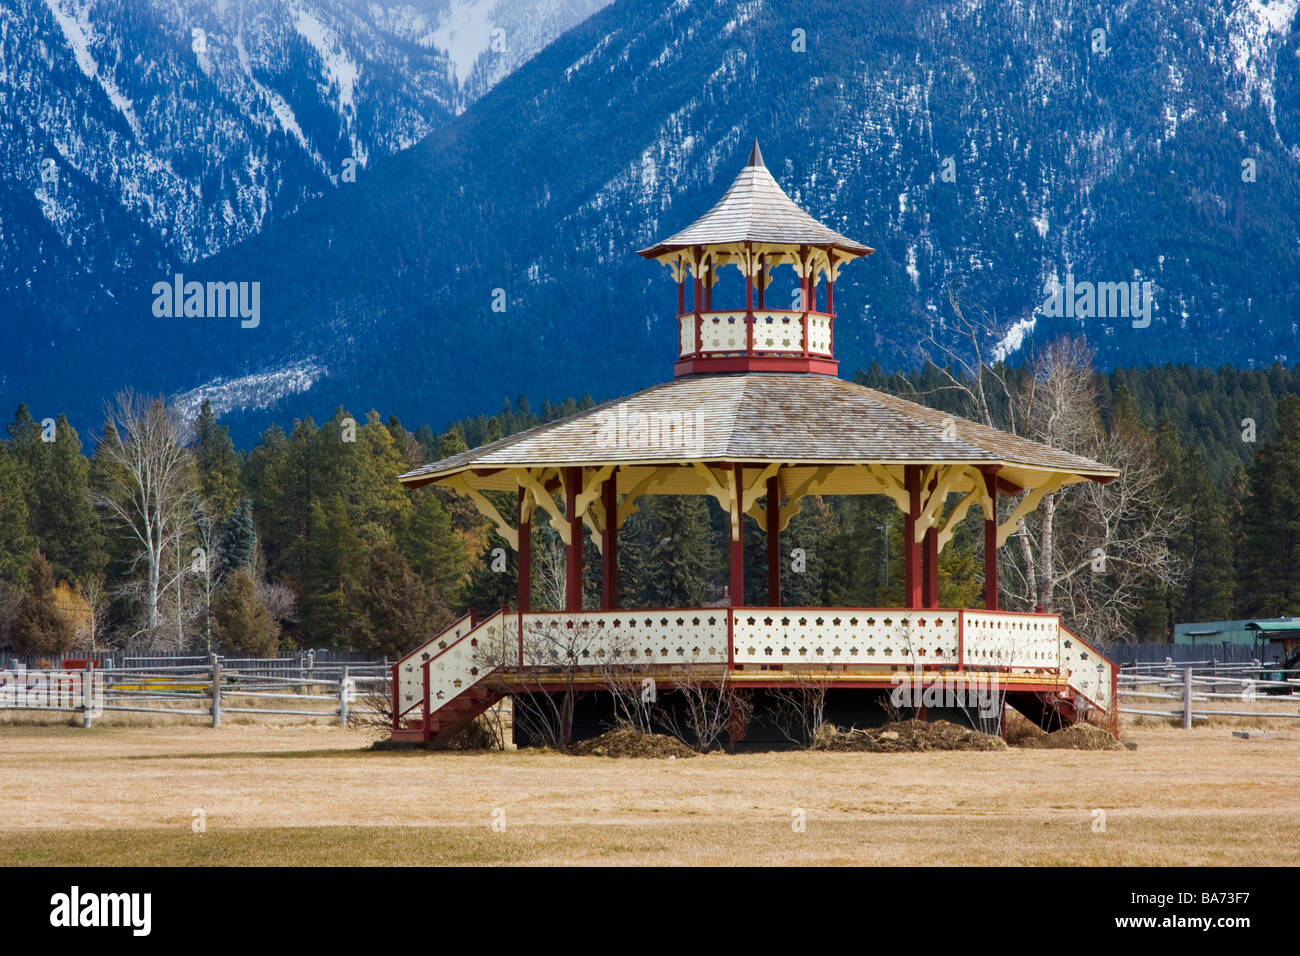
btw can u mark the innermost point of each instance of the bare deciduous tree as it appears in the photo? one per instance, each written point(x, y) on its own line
point(149, 479)
point(1088, 549)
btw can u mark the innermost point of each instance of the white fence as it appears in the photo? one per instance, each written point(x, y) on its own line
point(1201, 690)
point(188, 690)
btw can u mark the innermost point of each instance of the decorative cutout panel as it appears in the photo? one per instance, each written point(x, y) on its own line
point(410, 679)
point(999, 639)
point(1089, 672)
point(594, 638)
point(842, 636)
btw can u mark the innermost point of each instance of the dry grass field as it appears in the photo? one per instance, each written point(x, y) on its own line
point(313, 795)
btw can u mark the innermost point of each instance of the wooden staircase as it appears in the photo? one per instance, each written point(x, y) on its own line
point(452, 668)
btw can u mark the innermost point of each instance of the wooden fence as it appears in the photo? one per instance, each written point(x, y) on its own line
point(202, 691)
point(1200, 690)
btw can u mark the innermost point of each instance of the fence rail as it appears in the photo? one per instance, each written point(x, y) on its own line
point(203, 691)
point(1193, 683)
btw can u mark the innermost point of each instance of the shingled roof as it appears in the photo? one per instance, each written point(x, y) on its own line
point(756, 209)
point(765, 417)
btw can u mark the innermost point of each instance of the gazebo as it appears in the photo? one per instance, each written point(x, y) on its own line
point(756, 418)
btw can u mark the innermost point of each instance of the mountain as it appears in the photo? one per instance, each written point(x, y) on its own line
point(986, 150)
point(135, 133)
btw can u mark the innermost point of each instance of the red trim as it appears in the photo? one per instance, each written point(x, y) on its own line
point(911, 547)
point(991, 541)
point(930, 562)
point(550, 687)
point(468, 615)
point(609, 544)
point(524, 557)
point(573, 550)
point(774, 541)
point(694, 365)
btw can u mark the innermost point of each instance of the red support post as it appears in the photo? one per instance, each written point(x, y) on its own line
point(737, 556)
point(524, 555)
point(912, 548)
point(699, 322)
point(762, 286)
point(774, 541)
point(609, 544)
point(930, 561)
point(573, 551)
point(749, 309)
point(991, 542)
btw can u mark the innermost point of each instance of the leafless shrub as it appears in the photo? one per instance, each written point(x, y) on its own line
point(798, 711)
point(710, 706)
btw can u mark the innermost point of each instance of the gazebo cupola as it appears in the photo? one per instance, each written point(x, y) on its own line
point(757, 228)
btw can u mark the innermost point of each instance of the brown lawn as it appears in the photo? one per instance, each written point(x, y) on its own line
point(313, 795)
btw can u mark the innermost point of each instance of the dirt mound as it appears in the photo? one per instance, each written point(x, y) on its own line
point(906, 736)
point(1078, 737)
point(1019, 729)
point(630, 742)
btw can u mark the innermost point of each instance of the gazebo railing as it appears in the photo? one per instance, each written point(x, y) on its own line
point(888, 639)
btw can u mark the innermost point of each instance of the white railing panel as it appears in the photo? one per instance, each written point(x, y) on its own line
point(1087, 669)
point(778, 332)
point(410, 679)
point(723, 332)
point(819, 334)
point(844, 636)
point(1004, 639)
point(596, 638)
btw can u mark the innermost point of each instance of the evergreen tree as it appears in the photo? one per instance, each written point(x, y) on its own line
point(677, 561)
point(238, 538)
point(63, 521)
point(15, 542)
point(217, 463)
point(398, 611)
point(488, 589)
point(39, 627)
point(242, 625)
point(431, 548)
point(1205, 549)
point(336, 565)
point(1270, 559)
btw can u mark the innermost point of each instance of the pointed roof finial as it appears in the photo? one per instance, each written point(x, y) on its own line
point(755, 156)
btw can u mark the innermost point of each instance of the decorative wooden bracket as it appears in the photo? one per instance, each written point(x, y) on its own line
point(460, 485)
point(655, 479)
point(932, 503)
point(978, 493)
point(1028, 504)
point(589, 494)
point(793, 501)
point(891, 486)
point(532, 484)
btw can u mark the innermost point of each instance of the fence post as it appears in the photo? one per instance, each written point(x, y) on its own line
point(87, 696)
point(1187, 698)
point(216, 691)
point(343, 696)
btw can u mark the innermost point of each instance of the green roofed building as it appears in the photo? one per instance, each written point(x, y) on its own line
point(1271, 638)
